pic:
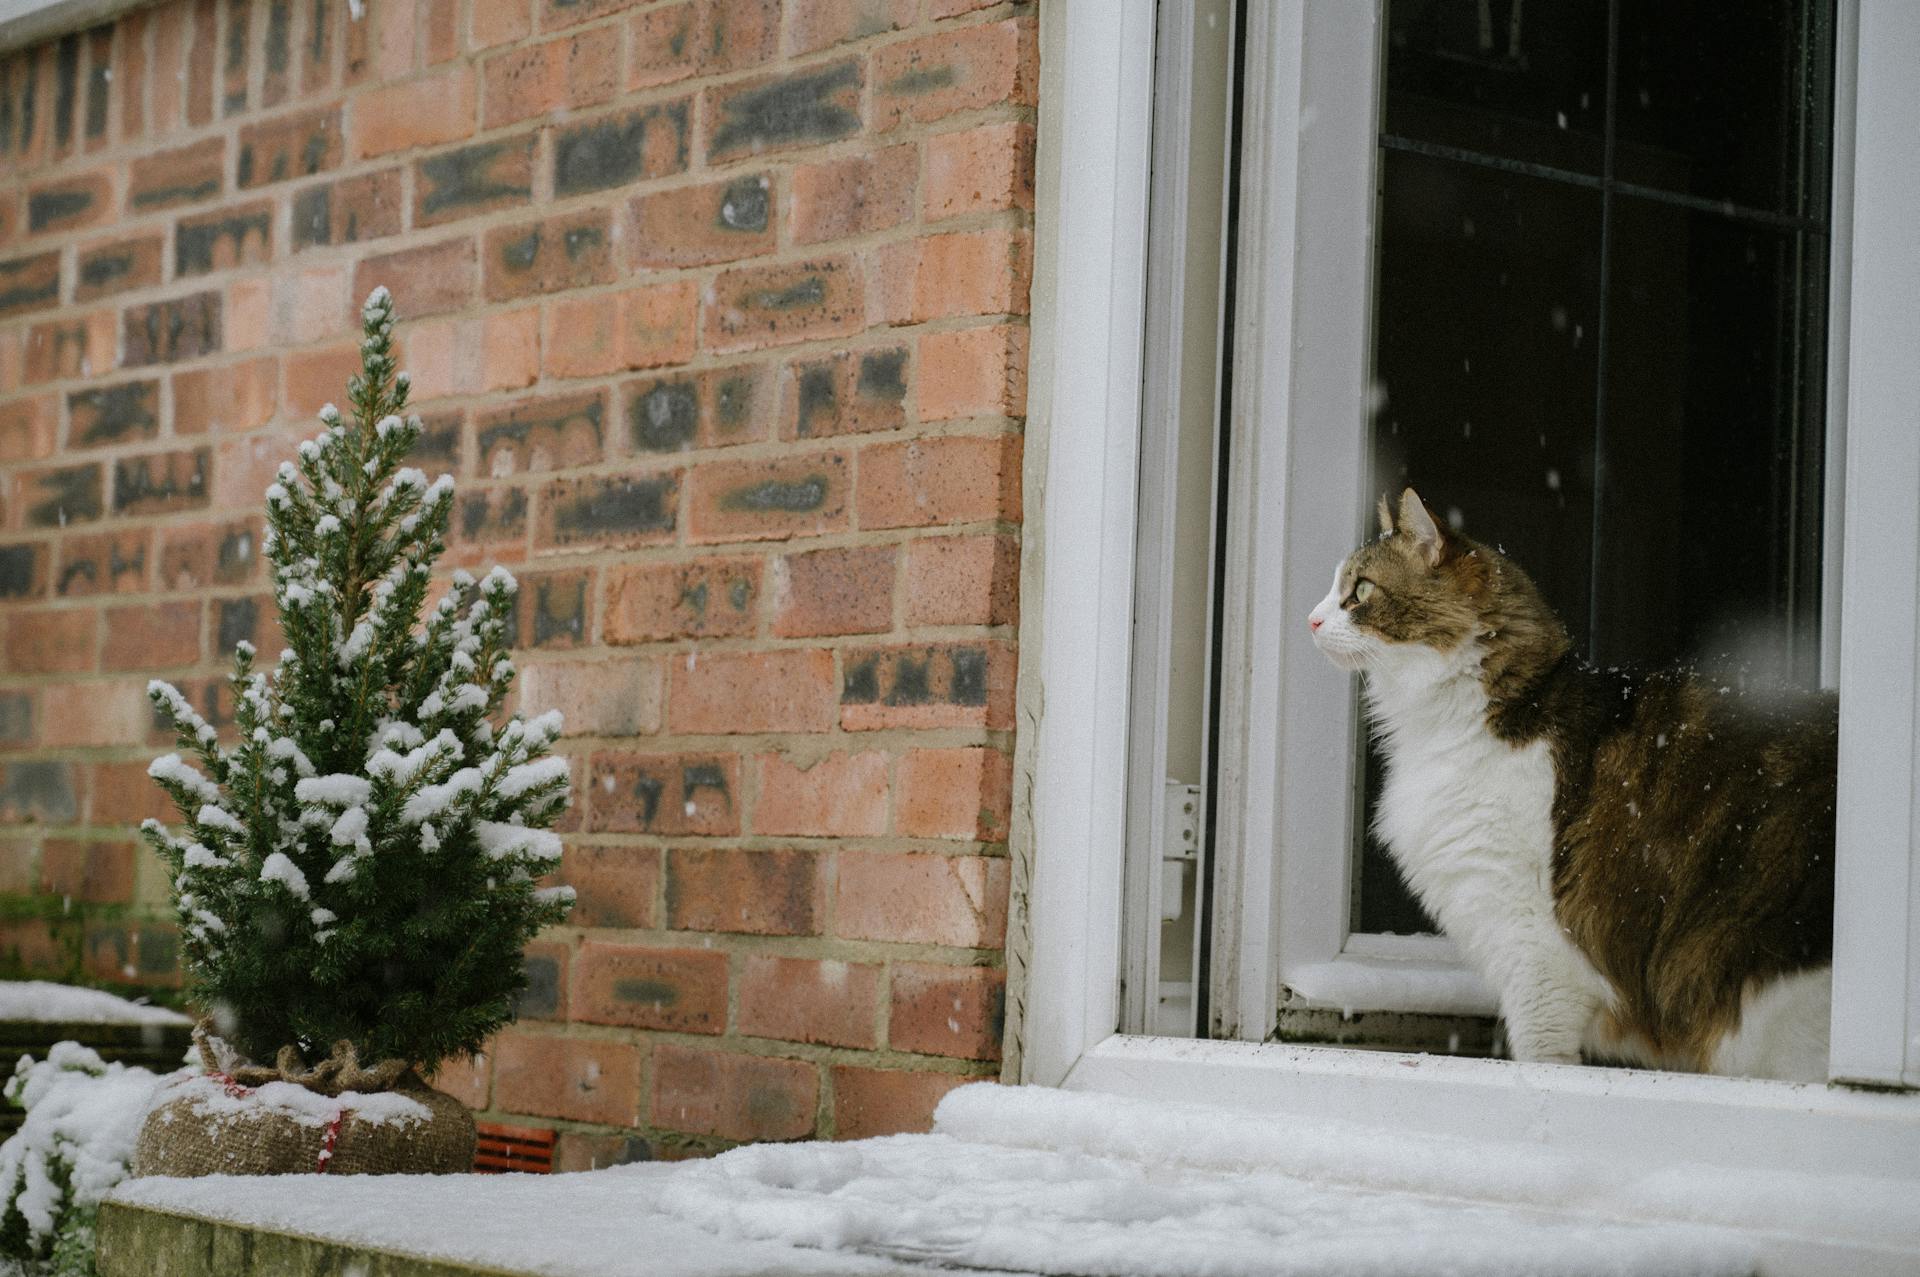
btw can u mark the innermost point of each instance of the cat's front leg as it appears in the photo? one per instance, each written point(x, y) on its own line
point(1546, 1017)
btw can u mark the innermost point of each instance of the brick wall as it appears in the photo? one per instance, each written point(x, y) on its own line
point(716, 308)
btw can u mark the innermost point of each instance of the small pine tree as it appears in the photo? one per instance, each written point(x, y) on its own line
point(360, 865)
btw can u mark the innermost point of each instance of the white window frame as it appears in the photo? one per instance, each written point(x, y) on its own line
point(1078, 578)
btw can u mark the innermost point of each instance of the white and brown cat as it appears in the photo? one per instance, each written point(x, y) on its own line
point(1641, 865)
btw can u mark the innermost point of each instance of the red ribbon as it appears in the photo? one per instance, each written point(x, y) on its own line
point(332, 1137)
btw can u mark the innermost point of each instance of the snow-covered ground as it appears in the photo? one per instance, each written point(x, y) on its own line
point(43, 1002)
point(1031, 1180)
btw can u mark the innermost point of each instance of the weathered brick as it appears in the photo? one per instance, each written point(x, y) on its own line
point(145, 953)
point(727, 692)
point(230, 398)
point(760, 306)
point(481, 178)
point(627, 146)
point(963, 581)
point(95, 873)
point(983, 272)
point(678, 990)
point(873, 1102)
point(58, 496)
point(830, 1002)
point(964, 70)
point(845, 393)
point(28, 428)
point(568, 73)
point(160, 482)
point(813, 25)
point(697, 225)
point(23, 570)
point(491, 520)
point(298, 145)
point(608, 511)
point(734, 1097)
point(433, 279)
point(702, 37)
point(78, 715)
point(424, 112)
point(108, 563)
point(39, 791)
point(133, 75)
point(184, 175)
point(597, 698)
point(545, 967)
point(347, 211)
point(70, 347)
point(916, 898)
point(973, 372)
point(233, 98)
point(802, 495)
point(954, 1011)
point(838, 199)
point(113, 414)
point(198, 555)
point(117, 267)
point(979, 170)
point(51, 641)
point(249, 313)
point(123, 794)
point(937, 685)
point(574, 250)
point(200, 83)
point(238, 236)
point(169, 331)
point(712, 409)
point(69, 203)
point(614, 886)
point(558, 432)
point(780, 112)
point(840, 591)
point(840, 795)
point(29, 283)
point(236, 621)
point(572, 1078)
point(667, 795)
point(767, 893)
point(155, 636)
point(555, 609)
point(704, 598)
point(276, 80)
point(928, 482)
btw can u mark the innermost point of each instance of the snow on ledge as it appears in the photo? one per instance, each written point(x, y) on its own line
point(42, 1002)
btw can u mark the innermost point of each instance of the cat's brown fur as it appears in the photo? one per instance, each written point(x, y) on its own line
point(1693, 826)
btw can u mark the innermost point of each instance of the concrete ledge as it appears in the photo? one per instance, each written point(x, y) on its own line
point(139, 1241)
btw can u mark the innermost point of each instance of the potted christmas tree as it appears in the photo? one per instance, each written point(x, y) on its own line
point(356, 875)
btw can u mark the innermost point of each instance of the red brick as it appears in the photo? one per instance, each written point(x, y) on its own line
point(677, 990)
point(31, 944)
point(246, 465)
point(667, 795)
point(17, 872)
point(314, 378)
point(75, 346)
point(156, 637)
point(238, 235)
point(644, 328)
point(557, 432)
point(829, 1002)
point(674, 412)
point(51, 642)
point(498, 22)
point(980, 170)
point(424, 112)
point(544, 965)
point(964, 70)
point(95, 873)
point(833, 592)
point(795, 108)
point(441, 34)
point(228, 399)
point(587, 1151)
point(615, 885)
point(703, 37)
point(28, 428)
point(199, 78)
point(466, 1078)
point(802, 495)
point(963, 581)
point(538, 258)
point(703, 598)
point(983, 272)
point(289, 146)
point(697, 225)
point(69, 203)
point(132, 75)
point(510, 349)
point(482, 178)
point(842, 394)
point(598, 698)
point(556, 14)
point(175, 330)
point(841, 795)
point(813, 25)
point(117, 266)
point(726, 692)
point(573, 1078)
point(927, 482)
point(123, 794)
point(568, 73)
point(426, 281)
point(973, 372)
point(954, 1011)
point(766, 893)
point(57, 496)
point(349, 211)
point(838, 199)
point(28, 576)
point(755, 307)
point(871, 1102)
point(161, 482)
point(608, 511)
point(916, 898)
point(928, 685)
point(955, 793)
point(109, 563)
point(184, 175)
point(734, 1097)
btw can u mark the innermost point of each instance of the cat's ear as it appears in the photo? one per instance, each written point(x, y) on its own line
point(1386, 516)
point(1418, 522)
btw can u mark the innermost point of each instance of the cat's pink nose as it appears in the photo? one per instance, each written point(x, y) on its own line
point(1313, 622)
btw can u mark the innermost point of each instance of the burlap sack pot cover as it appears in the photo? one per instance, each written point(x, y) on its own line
point(336, 1118)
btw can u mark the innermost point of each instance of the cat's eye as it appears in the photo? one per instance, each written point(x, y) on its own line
point(1362, 591)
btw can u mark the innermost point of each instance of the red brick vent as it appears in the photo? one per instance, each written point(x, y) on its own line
point(528, 1149)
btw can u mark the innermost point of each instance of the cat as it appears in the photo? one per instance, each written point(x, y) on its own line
point(1640, 865)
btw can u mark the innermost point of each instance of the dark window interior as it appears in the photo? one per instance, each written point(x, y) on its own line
point(1599, 319)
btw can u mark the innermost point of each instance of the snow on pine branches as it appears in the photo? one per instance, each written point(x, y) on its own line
point(361, 864)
